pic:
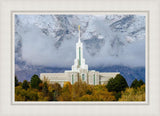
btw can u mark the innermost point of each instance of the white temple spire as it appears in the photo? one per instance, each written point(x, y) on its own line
point(79, 62)
point(79, 40)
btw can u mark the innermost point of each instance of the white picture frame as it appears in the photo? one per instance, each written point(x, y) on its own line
point(7, 107)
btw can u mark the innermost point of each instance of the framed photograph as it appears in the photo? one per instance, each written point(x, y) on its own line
point(66, 59)
point(109, 58)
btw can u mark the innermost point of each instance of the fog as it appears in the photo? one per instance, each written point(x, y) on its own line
point(39, 49)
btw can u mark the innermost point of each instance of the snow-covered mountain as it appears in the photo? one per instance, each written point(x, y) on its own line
point(49, 41)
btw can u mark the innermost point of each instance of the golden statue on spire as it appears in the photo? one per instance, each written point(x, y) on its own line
point(79, 27)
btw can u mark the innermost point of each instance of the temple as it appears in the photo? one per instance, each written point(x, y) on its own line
point(79, 71)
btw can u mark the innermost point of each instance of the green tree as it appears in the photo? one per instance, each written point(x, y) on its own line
point(141, 82)
point(137, 83)
point(25, 85)
point(117, 84)
point(16, 81)
point(134, 84)
point(35, 81)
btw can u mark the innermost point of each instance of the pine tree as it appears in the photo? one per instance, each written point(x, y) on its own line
point(140, 82)
point(117, 84)
point(35, 81)
point(137, 83)
point(25, 85)
point(16, 81)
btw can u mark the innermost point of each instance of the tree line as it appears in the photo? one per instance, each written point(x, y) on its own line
point(116, 89)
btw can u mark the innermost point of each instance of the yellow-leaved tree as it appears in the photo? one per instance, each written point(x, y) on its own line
point(66, 92)
point(133, 94)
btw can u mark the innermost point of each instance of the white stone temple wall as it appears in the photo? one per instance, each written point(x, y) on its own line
point(54, 78)
point(104, 77)
point(93, 77)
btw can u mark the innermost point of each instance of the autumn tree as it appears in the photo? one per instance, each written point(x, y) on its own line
point(31, 95)
point(19, 94)
point(40, 86)
point(45, 89)
point(133, 94)
point(66, 92)
point(56, 91)
point(81, 91)
point(25, 85)
point(35, 81)
point(101, 93)
point(98, 93)
point(78, 90)
point(25, 95)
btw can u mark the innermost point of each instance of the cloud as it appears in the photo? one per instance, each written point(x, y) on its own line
point(39, 49)
point(124, 53)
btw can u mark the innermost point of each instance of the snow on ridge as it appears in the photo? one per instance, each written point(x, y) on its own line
point(60, 32)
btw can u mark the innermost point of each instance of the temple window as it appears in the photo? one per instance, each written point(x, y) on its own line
point(94, 79)
point(83, 77)
point(72, 79)
point(79, 56)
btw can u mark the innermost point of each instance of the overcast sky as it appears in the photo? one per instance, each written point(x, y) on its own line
point(39, 49)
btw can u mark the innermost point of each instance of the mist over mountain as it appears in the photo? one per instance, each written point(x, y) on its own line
point(46, 43)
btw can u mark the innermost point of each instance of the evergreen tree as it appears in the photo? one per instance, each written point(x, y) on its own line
point(137, 83)
point(134, 83)
point(117, 84)
point(35, 81)
point(141, 82)
point(16, 81)
point(25, 85)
